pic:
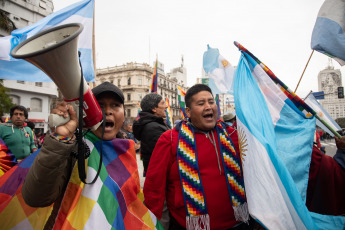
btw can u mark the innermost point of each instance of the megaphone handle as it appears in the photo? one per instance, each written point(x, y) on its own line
point(55, 120)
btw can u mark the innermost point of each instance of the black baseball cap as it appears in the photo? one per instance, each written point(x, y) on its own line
point(108, 87)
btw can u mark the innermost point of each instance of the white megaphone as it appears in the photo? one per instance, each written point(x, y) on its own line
point(55, 52)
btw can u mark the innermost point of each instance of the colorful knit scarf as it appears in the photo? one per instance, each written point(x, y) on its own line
point(193, 192)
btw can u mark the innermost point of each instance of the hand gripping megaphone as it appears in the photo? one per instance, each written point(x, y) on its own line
point(55, 52)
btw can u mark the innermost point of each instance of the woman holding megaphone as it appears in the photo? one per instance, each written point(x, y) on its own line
point(53, 177)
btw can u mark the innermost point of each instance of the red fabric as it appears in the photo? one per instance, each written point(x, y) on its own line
point(326, 186)
point(163, 180)
point(317, 139)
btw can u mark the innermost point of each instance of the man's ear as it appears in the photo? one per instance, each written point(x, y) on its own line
point(187, 112)
point(154, 110)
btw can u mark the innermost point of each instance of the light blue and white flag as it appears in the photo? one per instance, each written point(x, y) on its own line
point(276, 141)
point(322, 113)
point(329, 31)
point(15, 69)
point(219, 70)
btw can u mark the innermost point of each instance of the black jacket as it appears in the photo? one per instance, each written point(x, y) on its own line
point(148, 129)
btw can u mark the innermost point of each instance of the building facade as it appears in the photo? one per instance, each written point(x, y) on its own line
point(135, 79)
point(329, 80)
point(25, 12)
point(35, 96)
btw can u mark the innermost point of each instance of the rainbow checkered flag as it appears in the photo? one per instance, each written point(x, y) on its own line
point(114, 201)
point(169, 114)
point(7, 159)
point(180, 95)
point(139, 110)
point(154, 83)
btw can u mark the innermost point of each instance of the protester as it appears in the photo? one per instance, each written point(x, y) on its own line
point(321, 134)
point(150, 125)
point(192, 152)
point(326, 184)
point(16, 134)
point(147, 129)
point(36, 139)
point(230, 119)
point(128, 129)
point(51, 179)
point(176, 122)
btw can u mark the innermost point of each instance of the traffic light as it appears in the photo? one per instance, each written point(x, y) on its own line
point(340, 92)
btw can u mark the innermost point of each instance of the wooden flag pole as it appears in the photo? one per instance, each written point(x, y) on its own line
point(304, 71)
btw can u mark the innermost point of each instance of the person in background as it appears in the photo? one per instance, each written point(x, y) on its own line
point(321, 134)
point(17, 135)
point(36, 139)
point(128, 129)
point(147, 129)
point(150, 125)
point(230, 119)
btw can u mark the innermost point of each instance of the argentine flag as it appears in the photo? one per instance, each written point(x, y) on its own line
point(329, 31)
point(276, 141)
point(219, 70)
point(323, 114)
point(15, 69)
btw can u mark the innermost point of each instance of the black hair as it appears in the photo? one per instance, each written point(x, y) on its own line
point(194, 90)
point(30, 124)
point(21, 108)
point(150, 102)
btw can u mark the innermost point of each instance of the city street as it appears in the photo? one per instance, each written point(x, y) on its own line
point(331, 148)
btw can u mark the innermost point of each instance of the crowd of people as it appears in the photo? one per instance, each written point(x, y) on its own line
point(181, 163)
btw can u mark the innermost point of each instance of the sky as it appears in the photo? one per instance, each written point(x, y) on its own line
point(276, 32)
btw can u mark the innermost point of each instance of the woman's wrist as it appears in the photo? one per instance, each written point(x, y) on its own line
point(63, 139)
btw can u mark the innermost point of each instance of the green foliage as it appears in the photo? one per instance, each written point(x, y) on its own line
point(6, 23)
point(5, 100)
point(341, 121)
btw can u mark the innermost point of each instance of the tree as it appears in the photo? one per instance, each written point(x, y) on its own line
point(341, 121)
point(6, 23)
point(5, 100)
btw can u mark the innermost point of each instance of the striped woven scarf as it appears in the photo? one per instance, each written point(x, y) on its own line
point(193, 192)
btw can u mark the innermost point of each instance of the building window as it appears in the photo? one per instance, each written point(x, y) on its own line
point(128, 112)
point(128, 97)
point(129, 81)
point(39, 84)
point(35, 105)
point(15, 99)
point(140, 96)
point(139, 81)
point(20, 82)
point(118, 82)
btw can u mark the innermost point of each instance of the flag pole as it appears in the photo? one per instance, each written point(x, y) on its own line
point(304, 70)
point(328, 126)
point(94, 44)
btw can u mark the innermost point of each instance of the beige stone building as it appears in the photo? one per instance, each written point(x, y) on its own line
point(329, 80)
point(134, 79)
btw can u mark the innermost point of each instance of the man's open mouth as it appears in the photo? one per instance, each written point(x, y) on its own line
point(210, 115)
point(109, 124)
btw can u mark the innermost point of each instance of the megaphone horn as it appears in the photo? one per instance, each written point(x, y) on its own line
point(55, 52)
